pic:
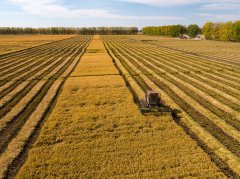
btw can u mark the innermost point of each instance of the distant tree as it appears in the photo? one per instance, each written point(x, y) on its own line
point(227, 32)
point(236, 31)
point(207, 30)
point(67, 30)
point(193, 30)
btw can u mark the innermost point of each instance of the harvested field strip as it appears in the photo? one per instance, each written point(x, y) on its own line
point(20, 105)
point(220, 113)
point(225, 97)
point(8, 56)
point(219, 61)
point(9, 105)
point(203, 135)
point(225, 108)
point(42, 56)
point(40, 51)
point(213, 55)
point(23, 61)
point(228, 72)
point(34, 72)
point(186, 73)
point(45, 60)
point(185, 68)
point(216, 84)
point(31, 102)
point(195, 60)
point(30, 53)
point(20, 62)
point(9, 96)
point(228, 100)
point(22, 93)
point(51, 65)
point(31, 65)
point(16, 146)
point(231, 143)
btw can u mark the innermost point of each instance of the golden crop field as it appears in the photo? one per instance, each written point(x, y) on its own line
point(29, 82)
point(96, 131)
point(67, 111)
point(203, 87)
point(11, 43)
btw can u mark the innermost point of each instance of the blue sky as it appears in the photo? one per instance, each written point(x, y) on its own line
point(88, 13)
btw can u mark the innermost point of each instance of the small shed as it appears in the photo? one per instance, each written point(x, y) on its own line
point(185, 36)
point(200, 37)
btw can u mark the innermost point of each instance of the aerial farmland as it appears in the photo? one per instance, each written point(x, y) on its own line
point(68, 108)
point(97, 90)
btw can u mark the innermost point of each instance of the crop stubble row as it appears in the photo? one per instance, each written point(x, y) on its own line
point(180, 89)
point(32, 93)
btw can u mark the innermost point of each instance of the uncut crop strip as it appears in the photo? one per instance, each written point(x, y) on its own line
point(139, 67)
point(25, 105)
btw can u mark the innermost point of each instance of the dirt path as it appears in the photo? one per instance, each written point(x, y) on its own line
point(96, 131)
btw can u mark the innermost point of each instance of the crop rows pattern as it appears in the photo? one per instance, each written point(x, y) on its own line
point(203, 87)
point(29, 83)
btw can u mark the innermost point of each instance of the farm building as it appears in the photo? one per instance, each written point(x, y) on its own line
point(185, 36)
point(200, 37)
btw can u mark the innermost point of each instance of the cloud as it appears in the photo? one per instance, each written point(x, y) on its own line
point(220, 17)
point(176, 2)
point(221, 6)
point(54, 9)
point(161, 2)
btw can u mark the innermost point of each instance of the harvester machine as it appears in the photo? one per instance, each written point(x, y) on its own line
point(153, 104)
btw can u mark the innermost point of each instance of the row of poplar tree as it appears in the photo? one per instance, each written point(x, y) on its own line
point(69, 30)
point(172, 30)
point(228, 31)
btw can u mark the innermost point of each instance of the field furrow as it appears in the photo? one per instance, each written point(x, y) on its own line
point(27, 94)
point(176, 76)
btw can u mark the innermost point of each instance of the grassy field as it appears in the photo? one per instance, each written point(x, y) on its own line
point(204, 87)
point(10, 43)
point(96, 131)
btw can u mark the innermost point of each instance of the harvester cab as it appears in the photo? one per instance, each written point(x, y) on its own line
point(153, 104)
point(152, 98)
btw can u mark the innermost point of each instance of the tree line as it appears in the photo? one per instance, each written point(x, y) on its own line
point(228, 31)
point(69, 30)
point(172, 30)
